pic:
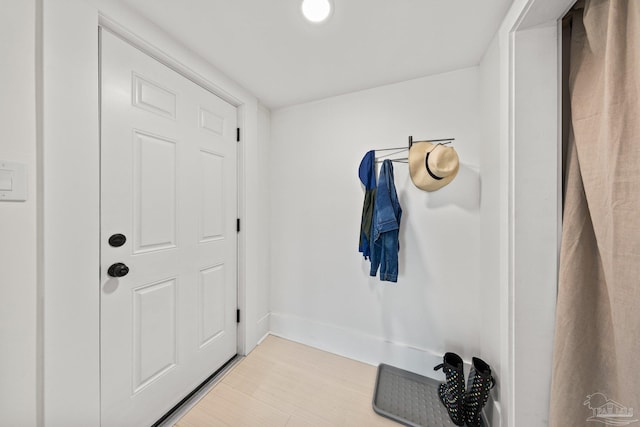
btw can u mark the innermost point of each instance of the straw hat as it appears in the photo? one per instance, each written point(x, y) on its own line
point(432, 166)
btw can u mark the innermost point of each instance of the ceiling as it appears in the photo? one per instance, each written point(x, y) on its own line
point(267, 47)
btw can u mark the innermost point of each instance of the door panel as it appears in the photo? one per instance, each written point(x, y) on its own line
point(212, 296)
point(152, 97)
point(169, 184)
point(211, 216)
point(154, 332)
point(154, 192)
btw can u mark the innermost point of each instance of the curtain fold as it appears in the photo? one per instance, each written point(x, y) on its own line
point(597, 338)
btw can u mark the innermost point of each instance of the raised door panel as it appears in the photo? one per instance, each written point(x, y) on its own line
point(211, 121)
point(212, 202)
point(153, 97)
point(154, 332)
point(155, 195)
point(212, 304)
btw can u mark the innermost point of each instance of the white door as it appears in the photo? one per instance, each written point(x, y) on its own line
point(168, 183)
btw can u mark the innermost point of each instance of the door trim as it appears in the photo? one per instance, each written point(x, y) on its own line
point(518, 317)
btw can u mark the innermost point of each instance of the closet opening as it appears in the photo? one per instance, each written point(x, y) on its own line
point(594, 376)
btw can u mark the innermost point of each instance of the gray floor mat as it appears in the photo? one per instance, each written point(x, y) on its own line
point(409, 398)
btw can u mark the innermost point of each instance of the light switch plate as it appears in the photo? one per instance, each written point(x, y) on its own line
point(14, 175)
point(6, 180)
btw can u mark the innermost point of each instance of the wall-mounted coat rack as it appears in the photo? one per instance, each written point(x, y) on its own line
point(397, 150)
point(448, 140)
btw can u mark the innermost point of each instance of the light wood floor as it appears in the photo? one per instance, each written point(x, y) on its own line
point(282, 383)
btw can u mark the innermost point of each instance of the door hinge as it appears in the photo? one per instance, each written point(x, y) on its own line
point(238, 134)
point(238, 225)
point(238, 316)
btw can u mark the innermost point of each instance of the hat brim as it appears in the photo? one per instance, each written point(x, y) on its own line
point(418, 171)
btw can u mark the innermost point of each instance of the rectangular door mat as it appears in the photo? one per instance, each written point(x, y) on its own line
point(409, 398)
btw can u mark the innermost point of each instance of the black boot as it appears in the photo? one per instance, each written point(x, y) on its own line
point(451, 392)
point(478, 385)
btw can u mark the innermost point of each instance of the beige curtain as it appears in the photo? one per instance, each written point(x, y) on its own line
point(597, 339)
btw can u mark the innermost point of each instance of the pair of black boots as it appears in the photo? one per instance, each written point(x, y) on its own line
point(464, 406)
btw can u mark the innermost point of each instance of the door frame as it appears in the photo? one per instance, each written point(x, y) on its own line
point(69, 195)
point(530, 52)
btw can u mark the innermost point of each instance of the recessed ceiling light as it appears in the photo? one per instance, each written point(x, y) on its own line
point(316, 11)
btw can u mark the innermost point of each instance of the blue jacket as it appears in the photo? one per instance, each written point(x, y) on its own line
point(385, 229)
point(367, 174)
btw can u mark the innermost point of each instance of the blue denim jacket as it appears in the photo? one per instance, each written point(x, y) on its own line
point(386, 226)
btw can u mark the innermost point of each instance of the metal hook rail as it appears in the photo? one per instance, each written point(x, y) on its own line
point(442, 141)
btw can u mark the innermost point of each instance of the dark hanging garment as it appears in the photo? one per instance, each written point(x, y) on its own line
point(367, 174)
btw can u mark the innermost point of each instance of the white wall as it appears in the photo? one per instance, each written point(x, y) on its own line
point(490, 158)
point(18, 220)
point(71, 213)
point(321, 290)
point(263, 267)
point(537, 178)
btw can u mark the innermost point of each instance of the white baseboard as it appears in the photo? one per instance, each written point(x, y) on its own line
point(356, 345)
point(263, 327)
